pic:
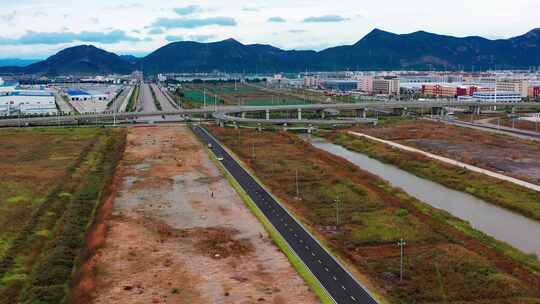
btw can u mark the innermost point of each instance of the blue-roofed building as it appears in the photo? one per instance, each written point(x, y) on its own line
point(80, 95)
point(27, 102)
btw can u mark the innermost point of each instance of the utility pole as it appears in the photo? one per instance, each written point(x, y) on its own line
point(337, 201)
point(114, 112)
point(401, 244)
point(204, 98)
point(297, 186)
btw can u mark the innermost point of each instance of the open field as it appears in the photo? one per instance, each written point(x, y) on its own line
point(520, 124)
point(446, 261)
point(228, 94)
point(177, 232)
point(499, 153)
point(52, 181)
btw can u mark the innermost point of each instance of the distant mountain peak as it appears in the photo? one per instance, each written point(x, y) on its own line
point(230, 41)
point(533, 33)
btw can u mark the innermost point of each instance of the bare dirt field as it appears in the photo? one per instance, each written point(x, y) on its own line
point(499, 153)
point(178, 233)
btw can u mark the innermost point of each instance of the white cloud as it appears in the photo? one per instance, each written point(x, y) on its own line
point(253, 21)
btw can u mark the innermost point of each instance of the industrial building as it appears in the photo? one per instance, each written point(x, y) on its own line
point(340, 85)
point(79, 95)
point(449, 90)
point(20, 102)
point(497, 96)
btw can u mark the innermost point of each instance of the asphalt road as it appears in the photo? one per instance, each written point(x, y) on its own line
point(146, 103)
point(117, 105)
point(340, 284)
point(163, 100)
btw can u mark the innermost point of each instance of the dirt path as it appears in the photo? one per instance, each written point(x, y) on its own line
point(169, 240)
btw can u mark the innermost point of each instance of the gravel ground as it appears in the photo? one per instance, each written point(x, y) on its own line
point(178, 233)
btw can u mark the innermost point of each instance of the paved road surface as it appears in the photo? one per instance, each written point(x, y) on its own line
point(146, 103)
point(163, 100)
point(342, 287)
point(119, 102)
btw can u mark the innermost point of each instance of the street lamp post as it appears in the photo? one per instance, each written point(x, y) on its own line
point(401, 243)
point(297, 186)
point(337, 201)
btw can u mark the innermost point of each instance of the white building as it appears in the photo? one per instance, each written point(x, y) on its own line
point(27, 103)
point(79, 95)
point(498, 96)
point(514, 85)
point(386, 86)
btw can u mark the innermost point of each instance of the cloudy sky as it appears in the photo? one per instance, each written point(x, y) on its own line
point(39, 28)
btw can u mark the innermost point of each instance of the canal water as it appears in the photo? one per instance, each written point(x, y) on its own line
point(507, 226)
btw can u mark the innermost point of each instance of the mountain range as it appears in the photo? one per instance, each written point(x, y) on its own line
point(17, 62)
point(379, 50)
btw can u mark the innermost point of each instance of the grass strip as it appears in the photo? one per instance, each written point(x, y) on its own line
point(296, 262)
point(133, 99)
point(154, 98)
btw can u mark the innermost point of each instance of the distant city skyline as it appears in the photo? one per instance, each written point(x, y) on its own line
point(39, 28)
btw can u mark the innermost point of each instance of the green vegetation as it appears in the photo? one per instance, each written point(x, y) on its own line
point(295, 261)
point(154, 98)
point(132, 104)
point(446, 260)
point(58, 189)
point(502, 193)
point(231, 94)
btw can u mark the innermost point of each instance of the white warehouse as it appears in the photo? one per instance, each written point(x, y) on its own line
point(27, 103)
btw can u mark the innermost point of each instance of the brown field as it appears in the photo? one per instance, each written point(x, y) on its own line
point(520, 124)
point(442, 264)
point(499, 153)
point(51, 181)
point(176, 232)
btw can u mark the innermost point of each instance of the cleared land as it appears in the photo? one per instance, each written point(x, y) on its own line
point(499, 153)
point(446, 261)
point(229, 94)
point(179, 233)
point(52, 182)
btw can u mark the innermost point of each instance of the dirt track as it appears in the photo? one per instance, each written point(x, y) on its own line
point(169, 240)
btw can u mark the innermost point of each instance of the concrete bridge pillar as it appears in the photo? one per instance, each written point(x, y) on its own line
point(267, 114)
point(259, 127)
point(285, 127)
point(361, 113)
point(476, 110)
point(299, 114)
point(243, 115)
point(323, 114)
point(397, 111)
point(437, 111)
